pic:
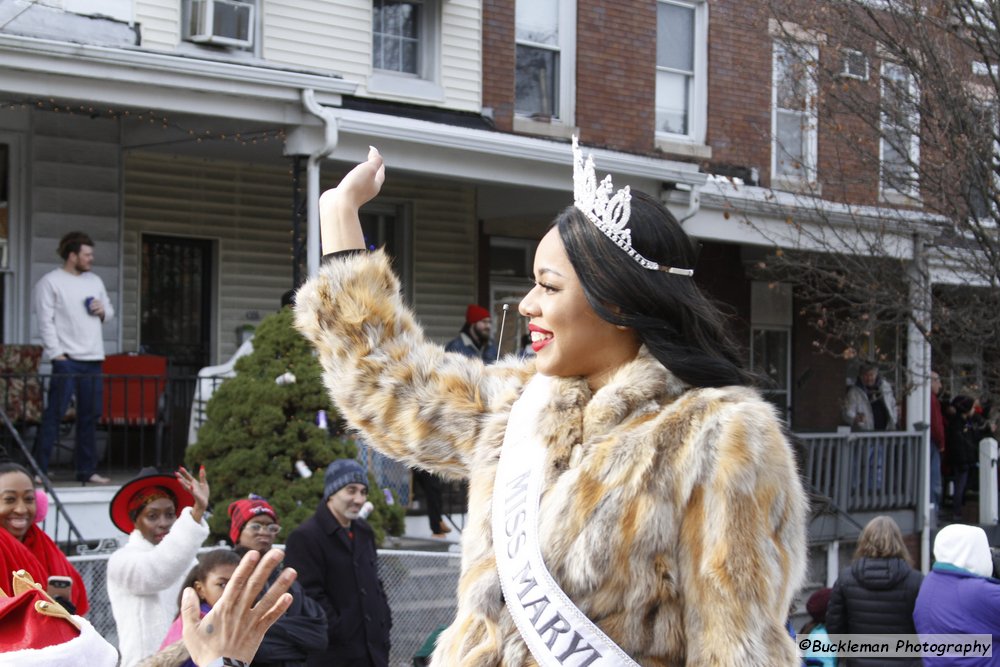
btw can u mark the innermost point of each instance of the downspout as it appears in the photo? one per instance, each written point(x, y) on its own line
point(694, 204)
point(330, 137)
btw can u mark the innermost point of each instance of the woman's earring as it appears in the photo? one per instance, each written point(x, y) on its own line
point(621, 327)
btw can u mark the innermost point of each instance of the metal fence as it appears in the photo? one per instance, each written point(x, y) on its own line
point(141, 423)
point(421, 587)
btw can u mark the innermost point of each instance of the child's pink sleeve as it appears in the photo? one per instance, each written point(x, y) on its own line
point(175, 633)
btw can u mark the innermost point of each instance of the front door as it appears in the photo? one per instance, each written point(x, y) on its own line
point(176, 298)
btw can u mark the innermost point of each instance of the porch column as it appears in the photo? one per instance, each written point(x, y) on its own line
point(918, 354)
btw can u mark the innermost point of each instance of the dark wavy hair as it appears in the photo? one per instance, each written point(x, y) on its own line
point(670, 314)
point(72, 242)
point(207, 562)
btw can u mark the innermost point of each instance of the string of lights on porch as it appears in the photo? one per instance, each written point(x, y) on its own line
point(154, 118)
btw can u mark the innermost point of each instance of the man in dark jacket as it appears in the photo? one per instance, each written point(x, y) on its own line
point(474, 338)
point(334, 554)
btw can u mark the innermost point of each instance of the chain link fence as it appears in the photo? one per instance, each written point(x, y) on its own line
point(421, 587)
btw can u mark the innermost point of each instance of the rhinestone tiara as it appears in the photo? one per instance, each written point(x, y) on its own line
point(609, 210)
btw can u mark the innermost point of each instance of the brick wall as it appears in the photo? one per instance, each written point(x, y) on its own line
point(616, 73)
point(498, 61)
point(739, 85)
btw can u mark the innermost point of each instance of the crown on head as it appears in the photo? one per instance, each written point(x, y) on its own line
point(609, 210)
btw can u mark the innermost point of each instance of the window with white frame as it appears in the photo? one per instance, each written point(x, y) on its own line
point(770, 359)
point(403, 36)
point(899, 143)
point(681, 67)
point(793, 118)
point(545, 35)
point(981, 172)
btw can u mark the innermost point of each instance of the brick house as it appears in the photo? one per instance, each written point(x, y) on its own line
point(199, 146)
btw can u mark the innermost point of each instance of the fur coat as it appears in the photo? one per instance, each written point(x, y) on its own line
point(673, 517)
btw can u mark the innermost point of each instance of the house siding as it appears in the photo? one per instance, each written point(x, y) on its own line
point(159, 23)
point(461, 54)
point(244, 209)
point(331, 36)
point(75, 167)
point(336, 37)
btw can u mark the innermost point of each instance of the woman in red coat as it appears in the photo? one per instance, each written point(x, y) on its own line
point(24, 546)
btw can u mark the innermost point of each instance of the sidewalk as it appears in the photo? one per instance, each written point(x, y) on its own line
point(417, 536)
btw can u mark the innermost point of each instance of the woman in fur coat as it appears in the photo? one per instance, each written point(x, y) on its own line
point(631, 499)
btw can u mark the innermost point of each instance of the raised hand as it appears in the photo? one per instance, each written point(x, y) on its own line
point(235, 626)
point(197, 488)
point(340, 227)
point(362, 183)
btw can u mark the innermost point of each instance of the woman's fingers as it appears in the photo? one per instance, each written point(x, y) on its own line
point(275, 595)
point(275, 611)
point(190, 609)
point(259, 575)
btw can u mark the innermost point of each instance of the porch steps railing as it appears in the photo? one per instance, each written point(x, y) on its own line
point(72, 533)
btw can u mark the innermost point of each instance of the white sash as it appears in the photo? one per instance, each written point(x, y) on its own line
point(557, 633)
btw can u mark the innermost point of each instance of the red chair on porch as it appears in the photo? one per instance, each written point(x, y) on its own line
point(135, 387)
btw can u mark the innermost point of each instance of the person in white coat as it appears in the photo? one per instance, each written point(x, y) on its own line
point(164, 517)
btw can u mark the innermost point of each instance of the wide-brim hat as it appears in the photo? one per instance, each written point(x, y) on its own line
point(146, 477)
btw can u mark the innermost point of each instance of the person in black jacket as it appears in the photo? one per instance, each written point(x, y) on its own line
point(334, 554)
point(964, 431)
point(301, 630)
point(877, 592)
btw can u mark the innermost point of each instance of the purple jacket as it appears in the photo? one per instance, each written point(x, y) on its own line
point(956, 601)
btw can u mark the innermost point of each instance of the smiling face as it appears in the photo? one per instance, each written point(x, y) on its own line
point(17, 503)
point(256, 534)
point(211, 589)
point(568, 337)
point(346, 504)
point(156, 519)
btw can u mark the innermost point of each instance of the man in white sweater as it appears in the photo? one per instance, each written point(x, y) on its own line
point(72, 305)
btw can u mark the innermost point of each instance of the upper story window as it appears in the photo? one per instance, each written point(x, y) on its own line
point(793, 118)
point(406, 49)
point(899, 144)
point(397, 32)
point(982, 182)
point(546, 44)
point(681, 69)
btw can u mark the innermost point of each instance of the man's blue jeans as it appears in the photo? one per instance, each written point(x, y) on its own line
point(69, 378)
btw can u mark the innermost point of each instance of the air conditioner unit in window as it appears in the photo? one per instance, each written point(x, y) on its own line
point(222, 22)
point(855, 65)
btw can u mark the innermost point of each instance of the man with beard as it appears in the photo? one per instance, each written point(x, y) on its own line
point(474, 338)
point(72, 305)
